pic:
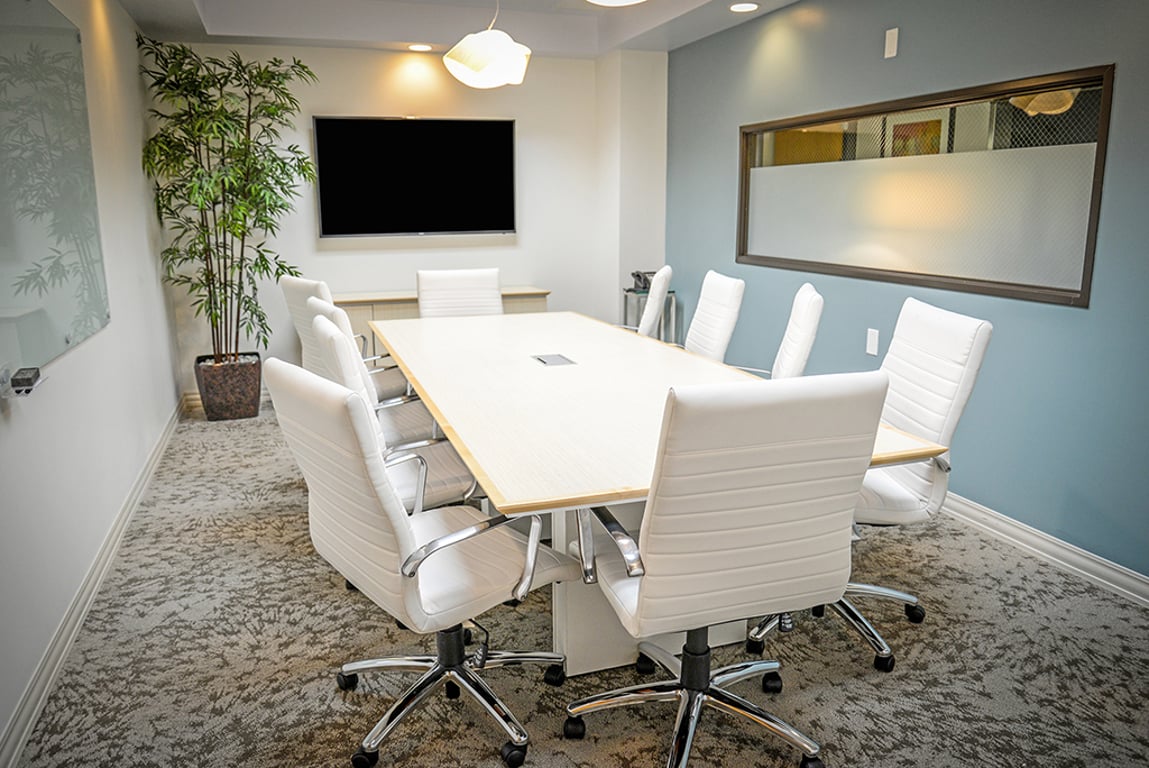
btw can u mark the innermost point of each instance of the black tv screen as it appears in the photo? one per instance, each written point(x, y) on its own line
point(401, 176)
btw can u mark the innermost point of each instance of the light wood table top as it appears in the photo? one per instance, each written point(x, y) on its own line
point(551, 437)
point(894, 446)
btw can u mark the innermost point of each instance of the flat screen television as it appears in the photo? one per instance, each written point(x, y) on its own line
point(404, 176)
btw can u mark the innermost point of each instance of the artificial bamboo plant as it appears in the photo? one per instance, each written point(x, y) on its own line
point(222, 179)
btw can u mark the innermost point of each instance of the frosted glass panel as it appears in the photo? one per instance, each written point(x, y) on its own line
point(971, 215)
point(53, 293)
point(993, 189)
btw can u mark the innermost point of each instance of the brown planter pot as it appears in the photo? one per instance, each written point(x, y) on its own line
point(229, 390)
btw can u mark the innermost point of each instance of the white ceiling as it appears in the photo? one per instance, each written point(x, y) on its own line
point(566, 28)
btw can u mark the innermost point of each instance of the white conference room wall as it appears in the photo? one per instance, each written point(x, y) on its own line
point(560, 182)
point(632, 158)
point(71, 454)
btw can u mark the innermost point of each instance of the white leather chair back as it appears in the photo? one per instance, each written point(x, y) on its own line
point(341, 358)
point(336, 316)
point(655, 301)
point(752, 499)
point(454, 292)
point(318, 306)
point(296, 291)
point(801, 330)
point(357, 522)
point(933, 362)
point(715, 316)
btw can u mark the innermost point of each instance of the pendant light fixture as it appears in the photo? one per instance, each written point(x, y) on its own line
point(1048, 103)
point(615, 3)
point(488, 59)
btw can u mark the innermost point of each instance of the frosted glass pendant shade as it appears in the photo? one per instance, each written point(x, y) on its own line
point(488, 59)
point(615, 3)
point(1048, 103)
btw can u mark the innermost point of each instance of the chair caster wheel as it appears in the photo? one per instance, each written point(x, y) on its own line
point(346, 682)
point(400, 624)
point(574, 728)
point(452, 689)
point(811, 762)
point(350, 587)
point(771, 682)
point(555, 675)
point(755, 646)
point(916, 614)
point(362, 759)
point(468, 636)
point(818, 611)
point(883, 663)
point(513, 754)
point(644, 665)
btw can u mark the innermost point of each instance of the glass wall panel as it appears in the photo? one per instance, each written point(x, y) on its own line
point(53, 293)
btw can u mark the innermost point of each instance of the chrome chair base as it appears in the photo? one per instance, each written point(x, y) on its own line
point(695, 688)
point(454, 668)
point(883, 654)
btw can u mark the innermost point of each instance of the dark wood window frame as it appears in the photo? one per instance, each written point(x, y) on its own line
point(1079, 297)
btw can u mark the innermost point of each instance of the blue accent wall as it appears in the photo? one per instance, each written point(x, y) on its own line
point(1056, 433)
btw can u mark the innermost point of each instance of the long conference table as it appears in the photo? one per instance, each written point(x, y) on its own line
point(556, 412)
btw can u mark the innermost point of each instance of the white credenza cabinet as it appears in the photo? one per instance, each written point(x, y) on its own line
point(363, 307)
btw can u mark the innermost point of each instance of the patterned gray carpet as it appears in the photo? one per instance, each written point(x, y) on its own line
point(215, 637)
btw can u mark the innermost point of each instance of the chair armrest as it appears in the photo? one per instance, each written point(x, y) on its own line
point(411, 565)
point(414, 444)
point(524, 585)
point(748, 369)
point(391, 402)
point(396, 459)
point(362, 344)
point(942, 463)
point(626, 544)
point(586, 547)
point(380, 368)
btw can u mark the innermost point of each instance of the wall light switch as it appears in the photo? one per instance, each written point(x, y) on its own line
point(871, 341)
point(891, 42)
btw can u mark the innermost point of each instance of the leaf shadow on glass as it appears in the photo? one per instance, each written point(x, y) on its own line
point(48, 199)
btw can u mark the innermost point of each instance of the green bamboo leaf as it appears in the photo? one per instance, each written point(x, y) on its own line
point(222, 179)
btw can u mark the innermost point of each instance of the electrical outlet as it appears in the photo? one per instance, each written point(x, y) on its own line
point(871, 341)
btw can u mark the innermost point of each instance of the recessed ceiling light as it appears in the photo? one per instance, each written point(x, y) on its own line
point(744, 7)
point(419, 47)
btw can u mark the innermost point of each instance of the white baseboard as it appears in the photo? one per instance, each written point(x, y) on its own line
point(1105, 573)
point(190, 402)
point(36, 694)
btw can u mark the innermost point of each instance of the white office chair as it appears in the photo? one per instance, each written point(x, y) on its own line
point(405, 427)
point(296, 291)
point(387, 381)
point(655, 301)
point(359, 525)
point(798, 338)
point(455, 292)
point(801, 330)
point(715, 316)
point(933, 362)
point(750, 510)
